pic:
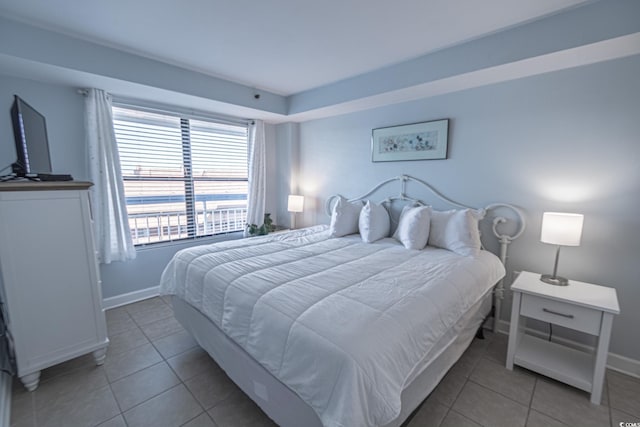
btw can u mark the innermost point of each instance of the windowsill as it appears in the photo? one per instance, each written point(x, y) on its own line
point(204, 240)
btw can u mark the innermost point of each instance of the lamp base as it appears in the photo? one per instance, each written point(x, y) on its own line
point(554, 280)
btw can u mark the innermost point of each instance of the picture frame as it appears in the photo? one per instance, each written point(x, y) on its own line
point(415, 141)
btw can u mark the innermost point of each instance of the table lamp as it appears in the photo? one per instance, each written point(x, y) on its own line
point(294, 205)
point(561, 229)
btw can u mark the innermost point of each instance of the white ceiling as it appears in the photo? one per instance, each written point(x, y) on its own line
point(282, 46)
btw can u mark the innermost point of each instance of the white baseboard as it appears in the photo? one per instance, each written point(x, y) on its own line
point(5, 399)
point(128, 298)
point(615, 362)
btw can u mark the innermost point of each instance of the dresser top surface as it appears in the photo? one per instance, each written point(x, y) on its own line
point(44, 186)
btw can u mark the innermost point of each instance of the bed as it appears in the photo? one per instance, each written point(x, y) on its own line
point(333, 331)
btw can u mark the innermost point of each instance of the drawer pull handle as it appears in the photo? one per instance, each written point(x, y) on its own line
point(568, 316)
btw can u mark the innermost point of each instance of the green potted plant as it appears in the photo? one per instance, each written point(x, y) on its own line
point(264, 229)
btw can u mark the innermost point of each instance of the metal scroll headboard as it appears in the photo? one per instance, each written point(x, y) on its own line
point(499, 225)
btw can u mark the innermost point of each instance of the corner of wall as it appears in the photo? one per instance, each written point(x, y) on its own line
point(287, 163)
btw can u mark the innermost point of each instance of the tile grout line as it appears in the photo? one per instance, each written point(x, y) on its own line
point(132, 348)
point(183, 382)
point(133, 373)
point(136, 371)
point(445, 416)
point(606, 382)
point(544, 413)
point(147, 324)
point(498, 392)
point(533, 392)
point(466, 380)
point(163, 360)
point(204, 411)
point(483, 356)
point(117, 403)
point(33, 408)
point(128, 315)
point(465, 417)
point(152, 342)
point(147, 337)
point(140, 326)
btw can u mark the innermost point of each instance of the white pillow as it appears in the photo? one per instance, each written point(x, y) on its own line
point(413, 227)
point(374, 222)
point(345, 216)
point(456, 230)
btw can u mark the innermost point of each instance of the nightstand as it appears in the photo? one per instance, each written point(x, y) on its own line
point(580, 306)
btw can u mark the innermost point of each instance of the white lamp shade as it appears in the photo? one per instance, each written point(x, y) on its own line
point(295, 203)
point(564, 229)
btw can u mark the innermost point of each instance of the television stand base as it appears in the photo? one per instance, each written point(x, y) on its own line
point(50, 177)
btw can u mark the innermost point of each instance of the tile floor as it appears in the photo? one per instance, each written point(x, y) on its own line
point(156, 375)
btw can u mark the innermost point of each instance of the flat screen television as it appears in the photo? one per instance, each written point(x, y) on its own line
point(32, 144)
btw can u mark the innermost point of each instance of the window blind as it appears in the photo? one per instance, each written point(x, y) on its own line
point(183, 177)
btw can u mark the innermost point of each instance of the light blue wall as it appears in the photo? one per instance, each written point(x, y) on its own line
point(286, 178)
point(63, 109)
point(564, 141)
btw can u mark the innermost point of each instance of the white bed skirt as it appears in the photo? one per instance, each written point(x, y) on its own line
point(285, 407)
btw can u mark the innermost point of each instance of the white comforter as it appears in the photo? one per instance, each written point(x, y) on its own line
point(342, 323)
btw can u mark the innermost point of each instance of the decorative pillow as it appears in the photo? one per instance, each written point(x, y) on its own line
point(345, 216)
point(413, 227)
point(456, 230)
point(374, 222)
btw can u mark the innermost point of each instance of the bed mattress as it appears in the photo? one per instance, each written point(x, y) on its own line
point(344, 324)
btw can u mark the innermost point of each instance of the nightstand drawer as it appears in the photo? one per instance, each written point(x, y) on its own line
point(563, 314)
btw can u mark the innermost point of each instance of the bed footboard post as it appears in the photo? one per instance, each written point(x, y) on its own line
point(499, 291)
point(504, 239)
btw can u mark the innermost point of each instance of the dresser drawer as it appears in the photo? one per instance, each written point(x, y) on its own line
point(563, 314)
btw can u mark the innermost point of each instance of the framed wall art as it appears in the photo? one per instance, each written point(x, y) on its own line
point(417, 141)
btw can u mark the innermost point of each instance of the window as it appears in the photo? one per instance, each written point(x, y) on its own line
point(183, 177)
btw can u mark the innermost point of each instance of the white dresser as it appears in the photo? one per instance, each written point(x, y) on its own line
point(50, 275)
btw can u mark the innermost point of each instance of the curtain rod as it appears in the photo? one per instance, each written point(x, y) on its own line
point(163, 108)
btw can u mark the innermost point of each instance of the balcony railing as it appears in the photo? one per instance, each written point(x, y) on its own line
point(164, 226)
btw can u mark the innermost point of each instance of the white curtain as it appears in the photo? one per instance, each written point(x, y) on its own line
point(113, 236)
point(257, 174)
